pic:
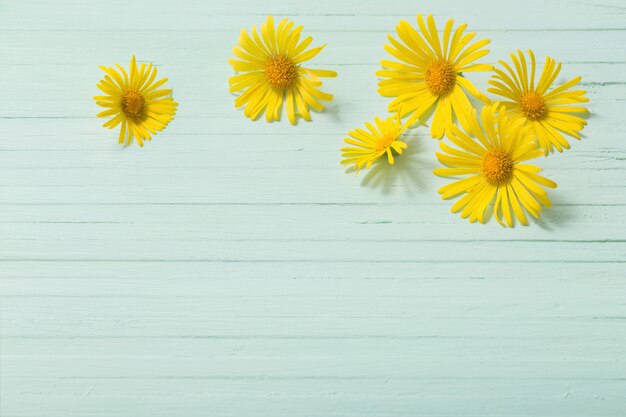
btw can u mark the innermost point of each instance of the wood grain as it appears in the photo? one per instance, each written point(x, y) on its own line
point(231, 268)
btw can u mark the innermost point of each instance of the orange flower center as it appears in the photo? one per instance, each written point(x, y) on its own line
point(532, 105)
point(440, 77)
point(497, 167)
point(281, 72)
point(132, 103)
point(384, 142)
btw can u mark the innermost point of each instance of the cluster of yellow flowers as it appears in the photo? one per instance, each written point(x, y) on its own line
point(426, 81)
point(529, 119)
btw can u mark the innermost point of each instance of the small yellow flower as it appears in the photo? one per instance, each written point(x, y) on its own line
point(135, 102)
point(429, 72)
point(550, 113)
point(493, 165)
point(376, 141)
point(270, 73)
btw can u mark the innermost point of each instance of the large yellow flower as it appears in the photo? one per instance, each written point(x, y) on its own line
point(135, 102)
point(493, 165)
point(550, 113)
point(429, 72)
point(270, 72)
point(369, 145)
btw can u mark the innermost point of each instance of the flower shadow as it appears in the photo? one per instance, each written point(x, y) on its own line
point(407, 173)
point(333, 111)
point(556, 216)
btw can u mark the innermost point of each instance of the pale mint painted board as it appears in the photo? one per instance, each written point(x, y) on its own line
point(232, 268)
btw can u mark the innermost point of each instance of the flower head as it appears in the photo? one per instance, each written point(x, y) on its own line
point(490, 157)
point(270, 72)
point(429, 72)
point(134, 101)
point(551, 114)
point(378, 140)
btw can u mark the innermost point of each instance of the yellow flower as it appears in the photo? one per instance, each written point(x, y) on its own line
point(550, 113)
point(135, 101)
point(371, 144)
point(270, 72)
point(494, 169)
point(429, 73)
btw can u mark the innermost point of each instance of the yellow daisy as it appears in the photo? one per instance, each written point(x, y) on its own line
point(270, 73)
point(550, 113)
point(491, 159)
point(134, 101)
point(369, 145)
point(429, 72)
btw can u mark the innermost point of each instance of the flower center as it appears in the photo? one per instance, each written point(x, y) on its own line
point(440, 77)
point(497, 167)
point(133, 103)
point(281, 72)
point(532, 105)
point(384, 142)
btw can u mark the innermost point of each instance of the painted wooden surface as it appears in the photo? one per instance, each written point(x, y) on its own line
point(231, 268)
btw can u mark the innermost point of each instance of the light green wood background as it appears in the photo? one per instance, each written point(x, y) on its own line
point(231, 268)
